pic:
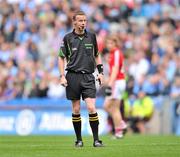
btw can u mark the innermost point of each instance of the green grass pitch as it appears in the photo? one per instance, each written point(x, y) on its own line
point(63, 146)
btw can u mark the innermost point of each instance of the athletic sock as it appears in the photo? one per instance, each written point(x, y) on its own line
point(94, 122)
point(76, 119)
point(118, 130)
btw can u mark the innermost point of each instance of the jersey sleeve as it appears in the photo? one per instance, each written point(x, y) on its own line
point(96, 52)
point(63, 51)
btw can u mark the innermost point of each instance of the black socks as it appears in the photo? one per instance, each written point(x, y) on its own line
point(94, 122)
point(76, 119)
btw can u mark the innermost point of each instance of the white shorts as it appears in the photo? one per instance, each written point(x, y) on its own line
point(118, 90)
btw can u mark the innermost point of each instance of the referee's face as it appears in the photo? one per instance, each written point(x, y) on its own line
point(80, 22)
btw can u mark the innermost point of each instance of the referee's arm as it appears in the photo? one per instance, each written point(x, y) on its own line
point(63, 53)
point(98, 62)
point(96, 52)
point(61, 62)
point(98, 59)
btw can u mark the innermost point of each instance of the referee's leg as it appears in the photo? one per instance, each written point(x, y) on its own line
point(93, 120)
point(76, 120)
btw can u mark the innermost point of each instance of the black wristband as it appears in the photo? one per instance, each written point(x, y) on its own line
point(100, 68)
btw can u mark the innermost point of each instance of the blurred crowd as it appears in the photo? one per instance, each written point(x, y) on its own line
point(31, 32)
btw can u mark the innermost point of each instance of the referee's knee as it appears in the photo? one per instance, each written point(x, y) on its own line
point(91, 108)
point(76, 109)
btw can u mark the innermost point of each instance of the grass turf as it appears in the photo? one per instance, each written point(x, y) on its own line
point(63, 146)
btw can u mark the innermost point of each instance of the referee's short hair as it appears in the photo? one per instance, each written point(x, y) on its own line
point(77, 13)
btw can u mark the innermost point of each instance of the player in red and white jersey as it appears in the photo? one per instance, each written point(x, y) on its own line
point(116, 85)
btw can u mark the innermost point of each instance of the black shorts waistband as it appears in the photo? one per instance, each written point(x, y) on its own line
point(78, 72)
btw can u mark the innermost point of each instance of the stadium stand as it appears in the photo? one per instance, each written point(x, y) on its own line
point(31, 32)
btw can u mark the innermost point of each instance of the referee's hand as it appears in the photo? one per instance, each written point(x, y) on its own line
point(63, 81)
point(100, 78)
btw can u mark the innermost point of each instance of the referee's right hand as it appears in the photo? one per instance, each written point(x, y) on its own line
point(63, 81)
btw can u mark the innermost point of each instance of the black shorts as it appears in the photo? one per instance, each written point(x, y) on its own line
point(80, 85)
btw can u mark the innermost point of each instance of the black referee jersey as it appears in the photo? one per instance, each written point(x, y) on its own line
point(80, 52)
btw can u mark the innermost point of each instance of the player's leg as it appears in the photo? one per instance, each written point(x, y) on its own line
point(107, 105)
point(119, 89)
point(123, 123)
point(116, 116)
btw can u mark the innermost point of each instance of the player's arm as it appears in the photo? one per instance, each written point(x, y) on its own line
point(115, 69)
point(113, 76)
point(61, 62)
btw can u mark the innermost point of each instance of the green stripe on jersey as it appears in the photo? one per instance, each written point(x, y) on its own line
point(61, 54)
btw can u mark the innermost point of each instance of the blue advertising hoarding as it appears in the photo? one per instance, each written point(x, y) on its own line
point(39, 120)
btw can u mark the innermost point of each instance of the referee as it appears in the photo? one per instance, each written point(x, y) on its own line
point(79, 48)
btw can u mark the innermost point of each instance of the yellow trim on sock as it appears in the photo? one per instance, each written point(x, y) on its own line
point(94, 119)
point(76, 117)
point(76, 120)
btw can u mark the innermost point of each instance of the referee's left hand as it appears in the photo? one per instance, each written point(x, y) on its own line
point(63, 81)
point(100, 78)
